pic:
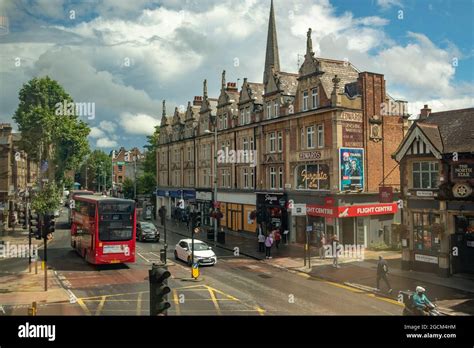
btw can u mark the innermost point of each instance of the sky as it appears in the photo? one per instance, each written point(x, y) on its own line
point(124, 57)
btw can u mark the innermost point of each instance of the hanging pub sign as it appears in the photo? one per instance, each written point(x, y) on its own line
point(312, 177)
point(351, 167)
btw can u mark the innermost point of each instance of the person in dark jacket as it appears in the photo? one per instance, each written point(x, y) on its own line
point(382, 270)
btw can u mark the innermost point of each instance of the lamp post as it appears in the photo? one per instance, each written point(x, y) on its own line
point(214, 198)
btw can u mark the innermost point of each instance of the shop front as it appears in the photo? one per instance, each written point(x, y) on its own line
point(171, 199)
point(237, 208)
point(204, 206)
point(272, 211)
point(364, 224)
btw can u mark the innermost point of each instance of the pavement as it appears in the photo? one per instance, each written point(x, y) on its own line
point(454, 295)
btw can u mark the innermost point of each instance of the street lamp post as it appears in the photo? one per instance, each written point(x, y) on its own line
point(214, 199)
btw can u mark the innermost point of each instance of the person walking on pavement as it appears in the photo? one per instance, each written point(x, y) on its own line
point(277, 237)
point(321, 246)
point(382, 270)
point(335, 250)
point(268, 246)
point(261, 239)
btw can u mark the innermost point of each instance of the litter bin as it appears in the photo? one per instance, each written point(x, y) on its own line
point(210, 234)
point(163, 255)
point(221, 237)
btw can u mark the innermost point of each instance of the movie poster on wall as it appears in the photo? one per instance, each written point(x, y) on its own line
point(351, 168)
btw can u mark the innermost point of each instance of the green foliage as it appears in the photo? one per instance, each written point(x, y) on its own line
point(68, 183)
point(381, 246)
point(97, 165)
point(127, 188)
point(61, 139)
point(146, 184)
point(47, 199)
point(149, 164)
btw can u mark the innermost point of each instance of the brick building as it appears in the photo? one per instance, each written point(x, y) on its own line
point(323, 137)
point(126, 164)
point(17, 171)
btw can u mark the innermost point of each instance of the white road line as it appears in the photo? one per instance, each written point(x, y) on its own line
point(144, 258)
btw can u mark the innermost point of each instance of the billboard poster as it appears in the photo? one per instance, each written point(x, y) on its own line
point(351, 168)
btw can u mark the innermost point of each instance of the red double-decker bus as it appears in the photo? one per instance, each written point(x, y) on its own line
point(103, 229)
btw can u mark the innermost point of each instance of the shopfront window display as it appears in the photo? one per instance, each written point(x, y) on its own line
point(426, 237)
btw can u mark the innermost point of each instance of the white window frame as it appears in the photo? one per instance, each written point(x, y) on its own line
point(280, 141)
point(305, 100)
point(314, 98)
point(320, 135)
point(272, 142)
point(430, 173)
point(310, 137)
point(273, 178)
point(276, 109)
point(269, 110)
point(246, 178)
point(224, 117)
point(280, 178)
point(248, 115)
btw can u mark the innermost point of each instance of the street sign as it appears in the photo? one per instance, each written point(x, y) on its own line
point(298, 210)
point(309, 228)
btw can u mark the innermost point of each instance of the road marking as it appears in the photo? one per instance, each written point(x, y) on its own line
point(143, 257)
point(139, 304)
point(83, 306)
point(176, 302)
point(214, 299)
point(100, 306)
point(389, 300)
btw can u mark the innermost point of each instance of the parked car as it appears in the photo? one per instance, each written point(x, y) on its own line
point(203, 253)
point(147, 231)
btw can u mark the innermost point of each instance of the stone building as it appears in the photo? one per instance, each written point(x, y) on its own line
point(322, 136)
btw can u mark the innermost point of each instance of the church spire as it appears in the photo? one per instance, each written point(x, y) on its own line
point(163, 115)
point(223, 80)
point(272, 58)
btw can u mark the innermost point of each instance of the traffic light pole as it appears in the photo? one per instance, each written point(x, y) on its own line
point(164, 230)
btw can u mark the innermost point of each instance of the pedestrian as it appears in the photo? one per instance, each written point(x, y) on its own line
point(277, 236)
point(322, 243)
point(261, 239)
point(382, 270)
point(335, 249)
point(268, 246)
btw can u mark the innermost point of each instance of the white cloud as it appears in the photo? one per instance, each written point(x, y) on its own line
point(96, 133)
point(108, 126)
point(106, 143)
point(138, 123)
point(386, 4)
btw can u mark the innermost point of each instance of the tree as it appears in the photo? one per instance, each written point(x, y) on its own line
point(96, 170)
point(146, 184)
point(47, 199)
point(47, 133)
point(127, 188)
point(149, 164)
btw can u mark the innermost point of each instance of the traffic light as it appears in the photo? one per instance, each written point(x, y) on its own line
point(22, 218)
point(159, 290)
point(162, 214)
point(48, 226)
point(35, 225)
point(197, 220)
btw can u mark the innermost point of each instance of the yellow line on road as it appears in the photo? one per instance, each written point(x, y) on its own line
point(83, 306)
point(139, 303)
point(214, 299)
point(100, 306)
point(176, 302)
point(389, 300)
point(112, 295)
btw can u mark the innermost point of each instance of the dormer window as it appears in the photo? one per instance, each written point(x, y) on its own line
point(224, 119)
point(305, 101)
point(314, 98)
point(269, 110)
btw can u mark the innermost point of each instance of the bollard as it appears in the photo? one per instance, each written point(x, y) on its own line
point(33, 309)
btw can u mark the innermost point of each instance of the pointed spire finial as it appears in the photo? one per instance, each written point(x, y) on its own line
point(163, 113)
point(204, 92)
point(272, 57)
point(223, 80)
point(309, 42)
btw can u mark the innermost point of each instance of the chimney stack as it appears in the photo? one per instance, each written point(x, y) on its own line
point(232, 87)
point(424, 113)
point(197, 100)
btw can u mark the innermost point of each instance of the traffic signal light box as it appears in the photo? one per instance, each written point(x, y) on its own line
point(159, 290)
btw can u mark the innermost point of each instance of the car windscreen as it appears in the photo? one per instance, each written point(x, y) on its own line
point(200, 247)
